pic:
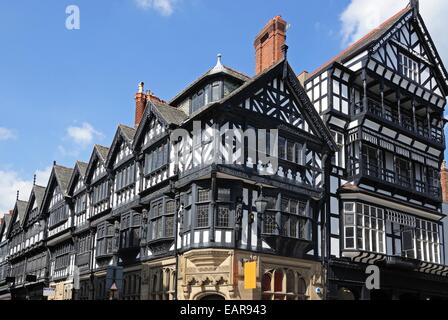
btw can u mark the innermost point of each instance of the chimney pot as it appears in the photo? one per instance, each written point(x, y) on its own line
point(140, 103)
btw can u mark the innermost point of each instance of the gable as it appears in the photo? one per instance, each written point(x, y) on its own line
point(50, 191)
point(120, 149)
point(275, 100)
point(96, 166)
point(406, 45)
point(279, 95)
point(32, 204)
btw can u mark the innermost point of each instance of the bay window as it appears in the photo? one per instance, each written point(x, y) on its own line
point(290, 150)
point(62, 256)
point(287, 216)
point(125, 177)
point(162, 218)
point(156, 159)
point(224, 208)
point(80, 204)
point(58, 215)
point(130, 230)
point(100, 192)
point(202, 208)
point(105, 238)
point(364, 227)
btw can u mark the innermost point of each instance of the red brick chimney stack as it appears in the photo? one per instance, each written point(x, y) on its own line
point(140, 103)
point(444, 181)
point(268, 44)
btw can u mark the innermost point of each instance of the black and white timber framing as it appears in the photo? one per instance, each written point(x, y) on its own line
point(361, 144)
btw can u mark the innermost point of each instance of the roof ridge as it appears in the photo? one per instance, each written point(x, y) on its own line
point(366, 36)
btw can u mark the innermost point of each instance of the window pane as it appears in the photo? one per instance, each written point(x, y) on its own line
point(202, 216)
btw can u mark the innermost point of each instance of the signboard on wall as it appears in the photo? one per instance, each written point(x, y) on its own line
point(48, 292)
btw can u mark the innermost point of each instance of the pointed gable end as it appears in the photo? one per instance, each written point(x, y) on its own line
point(121, 145)
point(34, 202)
point(277, 93)
point(77, 178)
point(59, 178)
point(97, 162)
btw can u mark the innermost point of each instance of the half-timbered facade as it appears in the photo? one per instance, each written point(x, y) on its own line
point(33, 224)
point(383, 99)
point(4, 264)
point(82, 234)
point(16, 248)
point(313, 177)
point(98, 181)
point(58, 212)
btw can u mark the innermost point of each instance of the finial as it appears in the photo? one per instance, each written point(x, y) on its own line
point(18, 192)
point(54, 163)
point(218, 67)
point(285, 51)
point(34, 180)
point(141, 87)
point(415, 5)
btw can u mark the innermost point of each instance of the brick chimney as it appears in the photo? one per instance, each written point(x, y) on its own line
point(268, 44)
point(444, 181)
point(140, 103)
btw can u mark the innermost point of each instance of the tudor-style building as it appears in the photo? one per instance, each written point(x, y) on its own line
point(384, 99)
point(82, 235)
point(177, 206)
point(57, 210)
point(98, 182)
point(16, 258)
point(4, 264)
point(35, 271)
point(212, 197)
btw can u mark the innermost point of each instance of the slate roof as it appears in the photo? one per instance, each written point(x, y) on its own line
point(128, 132)
point(82, 168)
point(102, 151)
point(63, 176)
point(170, 114)
point(364, 42)
point(219, 68)
point(39, 193)
point(21, 209)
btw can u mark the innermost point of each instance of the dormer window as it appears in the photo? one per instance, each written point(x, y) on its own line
point(408, 67)
point(210, 93)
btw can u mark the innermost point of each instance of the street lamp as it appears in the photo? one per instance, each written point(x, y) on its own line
point(261, 203)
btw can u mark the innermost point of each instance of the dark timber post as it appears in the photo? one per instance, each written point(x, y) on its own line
point(364, 85)
point(324, 222)
point(383, 111)
point(214, 192)
point(414, 118)
point(399, 107)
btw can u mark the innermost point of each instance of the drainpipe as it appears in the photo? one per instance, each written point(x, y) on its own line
point(325, 219)
point(176, 251)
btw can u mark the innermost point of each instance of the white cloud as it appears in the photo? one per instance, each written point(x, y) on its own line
point(6, 134)
point(361, 16)
point(164, 7)
point(84, 134)
point(11, 181)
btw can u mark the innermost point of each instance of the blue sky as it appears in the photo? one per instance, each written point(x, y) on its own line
point(63, 90)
